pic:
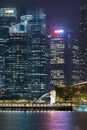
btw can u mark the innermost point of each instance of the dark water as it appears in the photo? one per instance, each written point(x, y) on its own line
point(43, 121)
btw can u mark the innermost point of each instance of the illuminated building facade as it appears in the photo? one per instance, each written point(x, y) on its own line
point(64, 61)
point(36, 17)
point(57, 61)
point(38, 56)
point(16, 66)
point(38, 68)
point(4, 37)
point(75, 62)
point(8, 17)
point(83, 40)
point(27, 56)
point(71, 59)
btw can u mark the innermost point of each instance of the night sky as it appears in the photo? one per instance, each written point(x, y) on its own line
point(60, 13)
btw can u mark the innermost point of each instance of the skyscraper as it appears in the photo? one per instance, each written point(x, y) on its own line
point(57, 61)
point(4, 37)
point(36, 17)
point(27, 55)
point(71, 58)
point(38, 72)
point(83, 40)
point(8, 17)
point(38, 67)
point(64, 63)
point(16, 66)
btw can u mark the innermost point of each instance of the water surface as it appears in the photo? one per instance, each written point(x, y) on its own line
point(43, 120)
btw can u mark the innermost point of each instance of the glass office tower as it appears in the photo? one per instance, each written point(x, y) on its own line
point(38, 67)
point(4, 38)
point(64, 63)
point(16, 66)
point(27, 56)
point(38, 51)
point(8, 17)
point(75, 62)
point(36, 17)
point(57, 62)
point(71, 59)
point(83, 40)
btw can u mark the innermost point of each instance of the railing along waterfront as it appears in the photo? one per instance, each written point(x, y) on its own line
point(36, 106)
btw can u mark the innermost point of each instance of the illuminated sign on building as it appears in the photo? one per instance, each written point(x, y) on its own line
point(9, 11)
point(58, 31)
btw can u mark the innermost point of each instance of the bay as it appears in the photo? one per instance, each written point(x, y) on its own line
point(47, 120)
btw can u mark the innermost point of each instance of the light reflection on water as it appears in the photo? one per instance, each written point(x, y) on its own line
point(38, 120)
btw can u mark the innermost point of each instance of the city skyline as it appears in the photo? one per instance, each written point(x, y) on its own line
point(35, 18)
point(59, 15)
point(27, 68)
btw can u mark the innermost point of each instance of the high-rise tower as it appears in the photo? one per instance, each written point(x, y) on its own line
point(36, 17)
point(57, 61)
point(16, 66)
point(38, 50)
point(83, 40)
point(64, 63)
point(27, 55)
point(8, 17)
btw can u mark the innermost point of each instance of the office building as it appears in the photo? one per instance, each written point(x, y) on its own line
point(83, 40)
point(8, 17)
point(75, 62)
point(38, 67)
point(4, 37)
point(57, 61)
point(16, 66)
point(38, 72)
point(27, 56)
point(71, 60)
point(36, 17)
point(64, 63)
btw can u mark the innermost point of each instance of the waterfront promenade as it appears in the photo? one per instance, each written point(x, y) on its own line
point(37, 106)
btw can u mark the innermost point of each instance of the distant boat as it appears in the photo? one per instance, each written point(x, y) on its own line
point(80, 108)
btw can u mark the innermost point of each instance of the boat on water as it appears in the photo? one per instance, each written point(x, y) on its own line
point(80, 108)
